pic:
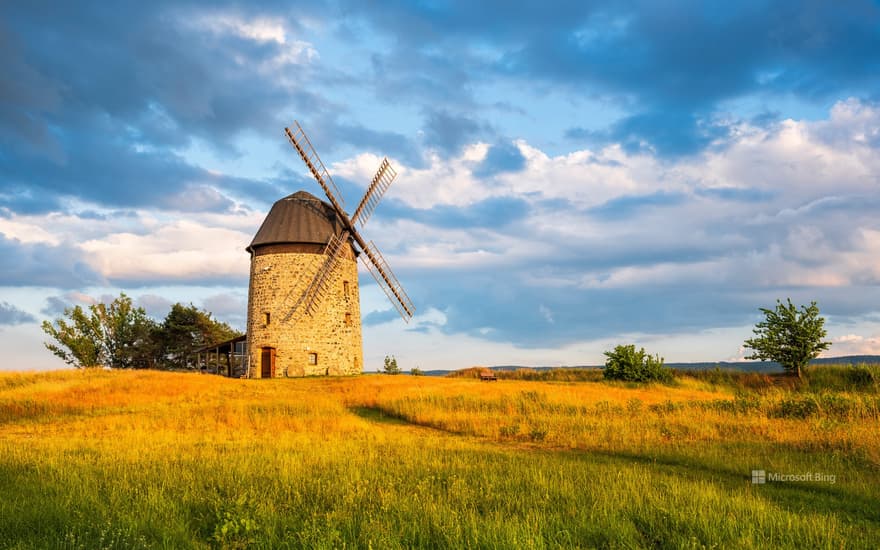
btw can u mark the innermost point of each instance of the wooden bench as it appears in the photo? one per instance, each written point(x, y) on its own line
point(488, 376)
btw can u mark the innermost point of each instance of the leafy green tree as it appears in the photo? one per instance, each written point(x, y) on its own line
point(625, 363)
point(113, 335)
point(789, 336)
point(391, 365)
point(416, 371)
point(188, 328)
point(78, 338)
point(127, 333)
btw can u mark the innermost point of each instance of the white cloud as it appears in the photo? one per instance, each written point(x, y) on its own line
point(259, 29)
point(178, 250)
point(792, 228)
point(148, 245)
point(853, 344)
point(27, 230)
point(262, 30)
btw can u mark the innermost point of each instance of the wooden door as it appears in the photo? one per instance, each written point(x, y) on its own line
point(267, 363)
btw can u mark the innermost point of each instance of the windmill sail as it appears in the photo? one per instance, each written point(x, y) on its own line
point(375, 263)
point(303, 146)
point(380, 183)
point(379, 269)
point(317, 288)
point(333, 251)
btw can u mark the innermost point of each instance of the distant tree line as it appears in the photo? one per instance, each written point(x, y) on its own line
point(121, 336)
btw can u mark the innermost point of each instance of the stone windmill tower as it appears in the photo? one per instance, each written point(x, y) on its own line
point(303, 299)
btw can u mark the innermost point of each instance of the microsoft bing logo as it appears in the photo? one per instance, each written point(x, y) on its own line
point(759, 476)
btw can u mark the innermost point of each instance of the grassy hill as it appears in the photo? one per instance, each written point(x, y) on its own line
point(141, 459)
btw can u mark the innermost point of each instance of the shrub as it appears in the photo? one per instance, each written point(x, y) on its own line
point(416, 371)
point(864, 376)
point(797, 407)
point(859, 377)
point(390, 366)
point(833, 404)
point(625, 363)
point(509, 431)
point(538, 433)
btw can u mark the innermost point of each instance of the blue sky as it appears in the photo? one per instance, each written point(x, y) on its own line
point(569, 178)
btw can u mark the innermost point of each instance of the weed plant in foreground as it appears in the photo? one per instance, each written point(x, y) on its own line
point(98, 459)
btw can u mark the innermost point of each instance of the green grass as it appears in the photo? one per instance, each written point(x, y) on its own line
point(153, 460)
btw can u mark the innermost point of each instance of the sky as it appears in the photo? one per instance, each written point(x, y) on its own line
point(569, 179)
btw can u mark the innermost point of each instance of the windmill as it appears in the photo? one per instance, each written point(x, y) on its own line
point(303, 300)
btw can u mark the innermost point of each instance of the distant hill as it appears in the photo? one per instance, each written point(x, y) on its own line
point(748, 366)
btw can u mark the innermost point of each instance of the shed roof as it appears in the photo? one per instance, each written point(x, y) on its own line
point(298, 218)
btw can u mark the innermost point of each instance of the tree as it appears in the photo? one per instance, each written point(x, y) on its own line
point(79, 338)
point(127, 333)
point(391, 365)
point(789, 336)
point(113, 335)
point(188, 328)
point(625, 363)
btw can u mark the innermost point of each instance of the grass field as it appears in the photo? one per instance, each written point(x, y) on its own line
point(95, 459)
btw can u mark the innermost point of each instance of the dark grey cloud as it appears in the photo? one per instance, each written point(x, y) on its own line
point(629, 205)
point(228, 307)
point(435, 77)
point(736, 194)
point(665, 57)
point(150, 281)
point(100, 101)
point(380, 316)
point(331, 134)
point(517, 313)
point(25, 96)
point(502, 157)
point(668, 133)
point(489, 213)
point(155, 70)
point(60, 266)
point(670, 66)
point(55, 305)
point(11, 315)
point(97, 103)
point(448, 132)
point(116, 175)
point(156, 306)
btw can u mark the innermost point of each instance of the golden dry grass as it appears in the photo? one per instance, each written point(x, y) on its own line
point(150, 459)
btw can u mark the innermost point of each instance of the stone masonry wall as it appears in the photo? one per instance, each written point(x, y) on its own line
point(332, 333)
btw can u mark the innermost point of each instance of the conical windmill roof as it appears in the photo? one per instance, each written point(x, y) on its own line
point(300, 218)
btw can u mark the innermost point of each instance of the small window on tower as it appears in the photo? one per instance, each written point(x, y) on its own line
point(345, 288)
point(313, 359)
point(267, 318)
point(348, 319)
